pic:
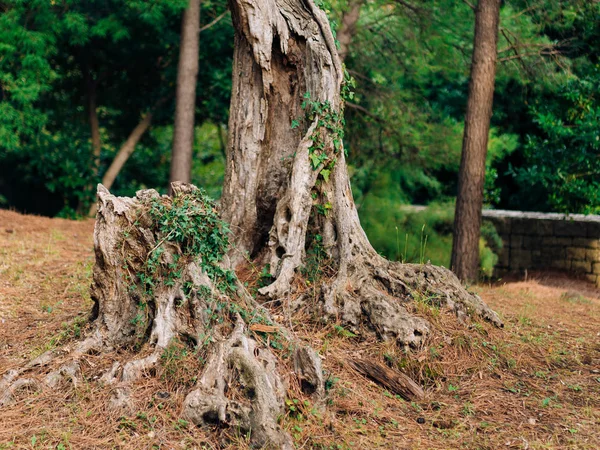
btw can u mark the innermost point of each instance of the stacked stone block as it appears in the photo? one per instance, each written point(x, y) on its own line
point(548, 241)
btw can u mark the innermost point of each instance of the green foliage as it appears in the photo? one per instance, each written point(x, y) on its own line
point(404, 117)
point(403, 233)
point(328, 132)
point(564, 158)
point(342, 332)
point(54, 56)
point(26, 46)
point(191, 221)
point(412, 65)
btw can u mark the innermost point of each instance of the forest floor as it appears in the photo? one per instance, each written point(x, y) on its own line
point(533, 384)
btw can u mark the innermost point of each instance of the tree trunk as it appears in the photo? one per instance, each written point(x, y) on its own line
point(287, 188)
point(471, 177)
point(123, 155)
point(187, 74)
point(348, 27)
point(96, 142)
point(159, 278)
point(95, 128)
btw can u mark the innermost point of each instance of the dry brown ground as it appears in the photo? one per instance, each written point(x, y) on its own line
point(534, 384)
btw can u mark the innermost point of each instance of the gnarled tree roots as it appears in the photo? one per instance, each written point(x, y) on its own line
point(162, 275)
point(152, 287)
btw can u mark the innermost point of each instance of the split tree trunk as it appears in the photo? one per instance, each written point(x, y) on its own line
point(471, 175)
point(283, 180)
point(185, 108)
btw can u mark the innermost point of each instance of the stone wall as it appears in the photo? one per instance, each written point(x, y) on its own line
point(548, 241)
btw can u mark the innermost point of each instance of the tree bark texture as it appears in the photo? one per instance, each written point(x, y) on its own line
point(149, 290)
point(347, 29)
point(287, 186)
point(123, 155)
point(187, 75)
point(471, 177)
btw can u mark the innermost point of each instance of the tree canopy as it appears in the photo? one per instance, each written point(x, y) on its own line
point(404, 126)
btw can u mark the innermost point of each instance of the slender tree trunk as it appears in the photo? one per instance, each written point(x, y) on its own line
point(95, 128)
point(123, 155)
point(187, 74)
point(95, 133)
point(471, 177)
point(348, 27)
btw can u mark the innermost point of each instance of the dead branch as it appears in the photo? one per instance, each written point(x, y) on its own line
point(214, 22)
point(392, 379)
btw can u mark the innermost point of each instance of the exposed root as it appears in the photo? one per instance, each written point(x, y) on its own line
point(9, 394)
point(438, 286)
point(307, 365)
point(13, 383)
point(377, 295)
point(155, 283)
point(149, 291)
point(240, 387)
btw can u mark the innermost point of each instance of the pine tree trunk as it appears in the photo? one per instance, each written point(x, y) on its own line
point(96, 141)
point(471, 177)
point(187, 74)
point(94, 127)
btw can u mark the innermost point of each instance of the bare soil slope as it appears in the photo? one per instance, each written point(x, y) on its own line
point(533, 384)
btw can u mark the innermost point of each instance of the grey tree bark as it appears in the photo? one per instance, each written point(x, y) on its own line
point(471, 176)
point(187, 75)
point(285, 54)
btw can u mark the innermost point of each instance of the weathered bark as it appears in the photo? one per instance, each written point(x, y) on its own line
point(471, 176)
point(392, 379)
point(280, 55)
point(185, 108)
point(150, 289)
point(123, 155)
point(348, 27)
point(284, 54)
